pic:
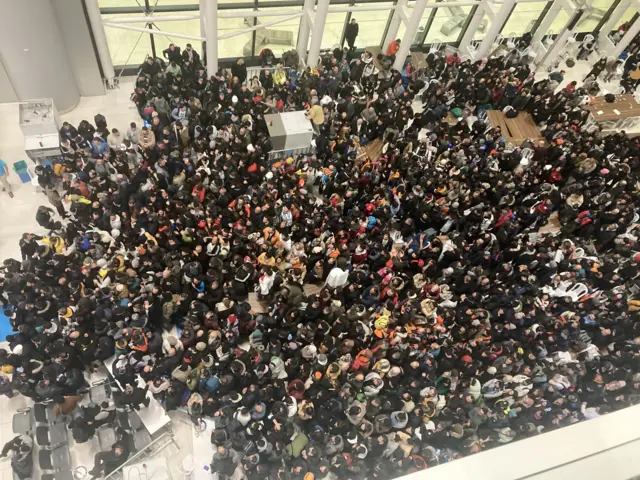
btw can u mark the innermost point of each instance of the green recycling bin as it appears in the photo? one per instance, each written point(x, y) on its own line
point(20, 167)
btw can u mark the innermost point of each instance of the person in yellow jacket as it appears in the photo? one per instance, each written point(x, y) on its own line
point(279, 76)
point(54, 243)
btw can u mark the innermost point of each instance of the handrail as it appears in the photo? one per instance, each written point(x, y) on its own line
point(138, 454)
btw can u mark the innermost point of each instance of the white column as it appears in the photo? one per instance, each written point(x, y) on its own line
point(203, 23)
point(305, 28)
point(316, 34)
point(409, 34)
point(394, 25)
point(210, 12)
point(495, 29)
point(474, 23)
point(626, 40)
point(546, 23)
point(556, 48)
point(615, 17)
point(93, 11)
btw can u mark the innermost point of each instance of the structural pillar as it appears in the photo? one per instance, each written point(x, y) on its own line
point(499, 20)
point(615, 17)
point(316, 34)
point(546, 23)
point(472, 27)
point(100, 39)
point(394, 25)
point(203, 28)
point(210, 12)
point(626, 39)
point(33, 53)
point(409, 34)
point(305, 29)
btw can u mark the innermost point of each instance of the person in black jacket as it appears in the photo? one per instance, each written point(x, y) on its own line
point(107, 462)
point(21, 461)
point(132, 397)
point(351, 32)
point(173, 54)
point(189, 54)
point(239, 69)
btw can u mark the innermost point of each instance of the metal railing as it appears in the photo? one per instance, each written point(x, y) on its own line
point(161, 442)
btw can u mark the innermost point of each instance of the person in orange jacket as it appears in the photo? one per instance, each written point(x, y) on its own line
point(393, 47)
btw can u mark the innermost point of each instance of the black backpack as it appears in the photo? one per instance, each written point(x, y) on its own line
point(513, 113)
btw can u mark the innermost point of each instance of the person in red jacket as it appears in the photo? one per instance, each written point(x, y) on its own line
point(393, 47)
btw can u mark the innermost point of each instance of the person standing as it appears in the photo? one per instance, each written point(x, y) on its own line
point(393, 47)
point(54, 199)
point(351, 33)
point(4, 178)
point(173, 54)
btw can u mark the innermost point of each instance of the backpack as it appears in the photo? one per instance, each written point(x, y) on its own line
point(513, 113)
point(101, 122)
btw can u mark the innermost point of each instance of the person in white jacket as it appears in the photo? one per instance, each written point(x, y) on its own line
point(337, 278)
point(266, 282)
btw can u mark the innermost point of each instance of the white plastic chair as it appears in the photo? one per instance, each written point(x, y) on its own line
point(573, 38)
point(435, 46)
point(587, 39)
point(549, 39)
point(579, 253)
point(525, 160)
point(31, 170)
point(530, 52)
point(527, 154)
point(578, 291)
point(187, 467)
point(511, 40)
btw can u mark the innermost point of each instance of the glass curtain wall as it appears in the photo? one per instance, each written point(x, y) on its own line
point(185, 27)
point(130, 48)
point(239, 45)
point(372, 25)
point(127, 47)
point(333, 28)
point(522, 19)
point(595, 10)
point(440, 23)
point(447, 23)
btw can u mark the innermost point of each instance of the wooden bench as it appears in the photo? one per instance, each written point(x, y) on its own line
point(418, 60)
point(497, 119)
point(515, 130)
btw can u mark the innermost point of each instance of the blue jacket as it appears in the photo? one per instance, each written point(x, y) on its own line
point(100, 148)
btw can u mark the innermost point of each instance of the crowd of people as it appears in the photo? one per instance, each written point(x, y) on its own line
point(468, 292)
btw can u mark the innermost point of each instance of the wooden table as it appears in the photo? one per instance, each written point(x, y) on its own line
point(625, 104)
point(515, 130)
